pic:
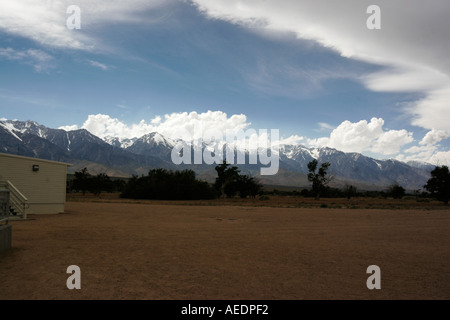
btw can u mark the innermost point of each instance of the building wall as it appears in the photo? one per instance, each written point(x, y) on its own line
point(45, 189)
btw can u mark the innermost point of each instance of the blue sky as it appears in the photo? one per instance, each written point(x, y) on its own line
point(313, 71)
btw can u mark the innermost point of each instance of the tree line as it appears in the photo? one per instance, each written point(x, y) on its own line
point(438, 186)
point(162, 184)
point(84, 182)
point(165, 184)
point(183, 185)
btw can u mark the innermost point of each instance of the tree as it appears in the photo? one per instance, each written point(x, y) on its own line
point(101, 182)
point(319, 179)
point(231, 183)
point(162, 184)
point(227, 178)
point(396, 191)
point(439, 183)
point(81, 180)
point(350, 191)
point(248, 186)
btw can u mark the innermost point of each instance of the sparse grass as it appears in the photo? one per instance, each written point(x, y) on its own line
point(277, 202)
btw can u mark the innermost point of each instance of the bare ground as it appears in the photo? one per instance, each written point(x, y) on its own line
point(170, 252)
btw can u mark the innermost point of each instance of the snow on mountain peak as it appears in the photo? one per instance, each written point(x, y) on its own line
point(149, 138)
point(119, 142)
point(10, 128)
point(159, 139)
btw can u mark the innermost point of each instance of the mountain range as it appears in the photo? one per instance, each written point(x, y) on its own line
point(125, 157)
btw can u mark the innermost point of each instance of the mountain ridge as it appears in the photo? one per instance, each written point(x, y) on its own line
point(126, 157)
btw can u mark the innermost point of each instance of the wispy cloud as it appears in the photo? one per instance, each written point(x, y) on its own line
point(323, 126)
point(412, 45)
point(45, 22)
point(39, 59)
point(102, 66)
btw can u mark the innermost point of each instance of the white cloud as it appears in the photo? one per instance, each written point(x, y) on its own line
point(41, 21)
point(46, 21)
point(325, 126)
point(173, 125)
point(292, 140)
point(441, 158)
point(429, 154)
point(362, 136)
point(39, 59)
point(390, 142)
point(103, 125)
point(365, 136)
point(428, 149)
point(196, 123)
point(210, 127)
point(431, 111)
point(434, 136)
point(412, 45)
point(69, 128)
point(102, 66)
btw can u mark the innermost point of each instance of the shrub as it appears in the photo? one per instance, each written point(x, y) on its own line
point(162, 184)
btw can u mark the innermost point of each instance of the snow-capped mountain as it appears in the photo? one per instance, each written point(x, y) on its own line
point(124, 157)
point(119, 142)
point(421, 165)
point(152, 143)
point(78, 147)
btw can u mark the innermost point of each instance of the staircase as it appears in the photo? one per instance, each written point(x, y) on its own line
point(17, 201)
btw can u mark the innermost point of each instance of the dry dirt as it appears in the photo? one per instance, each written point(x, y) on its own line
point(157, 251)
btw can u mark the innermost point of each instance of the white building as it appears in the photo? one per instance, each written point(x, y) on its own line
point(36, 186)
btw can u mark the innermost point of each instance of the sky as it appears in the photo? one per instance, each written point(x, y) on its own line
point(324, 73)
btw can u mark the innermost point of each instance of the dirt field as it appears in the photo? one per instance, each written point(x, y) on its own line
point(164, 251)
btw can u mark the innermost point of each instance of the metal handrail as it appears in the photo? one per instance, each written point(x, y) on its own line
point(13, 187)
point(17, 199)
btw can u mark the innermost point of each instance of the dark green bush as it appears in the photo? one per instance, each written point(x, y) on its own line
point(162, 184)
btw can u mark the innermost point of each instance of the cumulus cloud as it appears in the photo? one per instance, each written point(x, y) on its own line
point(434, 136)
point(192, 125)
point(441, 158)
point(209, 127)
point(292, 140)
point(412, 45)
point(365, 136)
point(371, 137)
point(428, 149)
point(213, 126)
point(427, 153)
